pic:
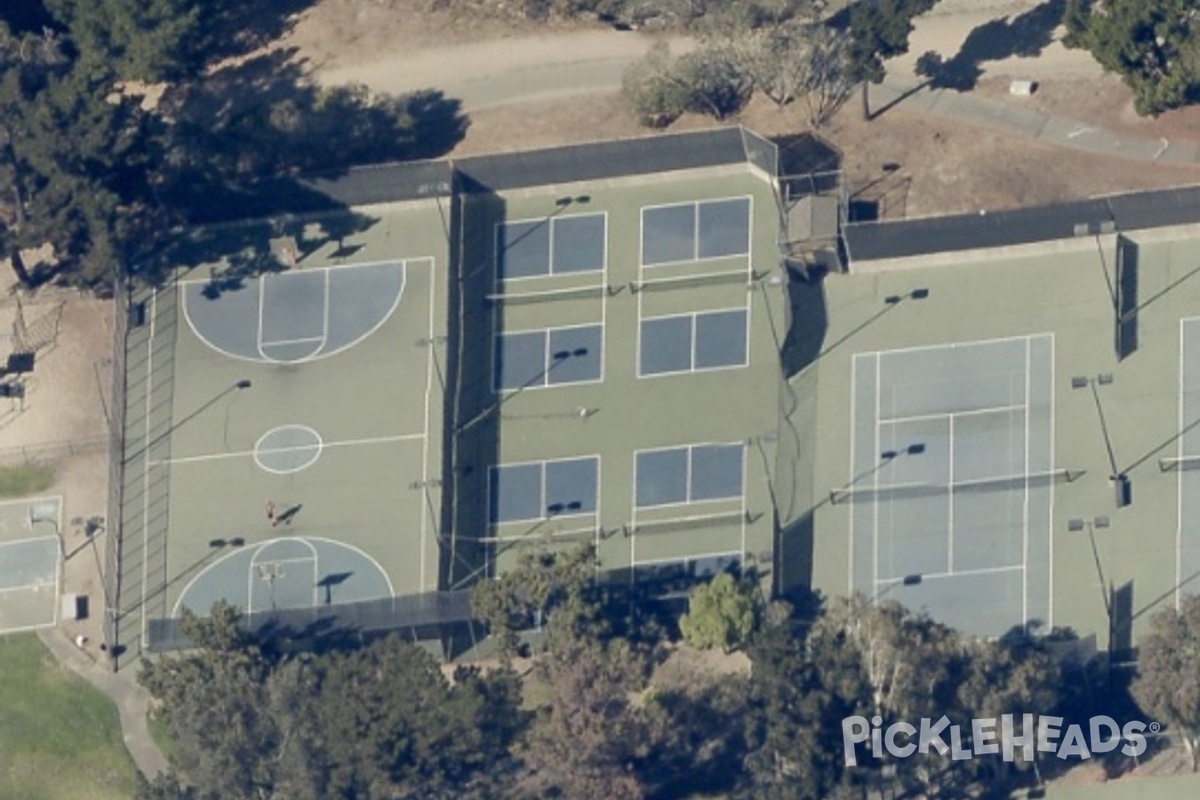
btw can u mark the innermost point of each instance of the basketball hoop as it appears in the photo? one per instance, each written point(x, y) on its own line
point(285, 251)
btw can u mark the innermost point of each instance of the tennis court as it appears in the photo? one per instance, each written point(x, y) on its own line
point(31, 557)
point(1187, 461)
point(952, 479)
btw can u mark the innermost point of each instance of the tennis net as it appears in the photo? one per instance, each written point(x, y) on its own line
point(1181, 464)
point(861, 494)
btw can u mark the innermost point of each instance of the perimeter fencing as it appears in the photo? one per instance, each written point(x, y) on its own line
point(111, 578)
point(51, 451)
point(422, 616)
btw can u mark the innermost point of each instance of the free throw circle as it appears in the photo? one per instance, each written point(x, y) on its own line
point(287, 448)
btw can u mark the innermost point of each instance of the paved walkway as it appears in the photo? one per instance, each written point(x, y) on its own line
point(131, 700)
point(1052, 129)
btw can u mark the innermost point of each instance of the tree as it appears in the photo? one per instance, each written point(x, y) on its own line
point(794, 60)
point(163, 787)
point(878, 30)
point(651, 89)
point(795, 701)
point(721, 613)
point(589, 734)
point(75, 165)
point(1154, 45)
point(378, 722)
point(910, 665)
point(714, 82)
point(543, 584)
point(1167, 685)
point(1008, 677)
point(139, 40)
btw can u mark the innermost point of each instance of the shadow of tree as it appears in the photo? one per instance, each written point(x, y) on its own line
point(1023, 35)
point(240, 142)
point(265, 118)
point(232, 28)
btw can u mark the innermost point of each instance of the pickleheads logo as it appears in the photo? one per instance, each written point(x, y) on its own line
point(1005, 736)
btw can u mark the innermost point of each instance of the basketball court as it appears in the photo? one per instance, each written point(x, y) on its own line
point(277, 443)
point(31, 555)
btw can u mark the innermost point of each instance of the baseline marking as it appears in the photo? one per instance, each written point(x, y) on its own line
point(953, 574)
point(1025, 496)
point(258, 548)
point(425, 432)
point(974, 412)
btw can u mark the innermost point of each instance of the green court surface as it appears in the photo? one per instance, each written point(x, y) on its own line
point(605, 354)
point(278, 433)
point(30, 552)
point(967, 414)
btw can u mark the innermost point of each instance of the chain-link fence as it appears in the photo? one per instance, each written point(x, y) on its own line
point(116, 470)
point(422, 616)
point(51, 451)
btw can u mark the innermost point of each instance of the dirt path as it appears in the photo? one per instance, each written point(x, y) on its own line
point(1005, 39)
point(493, 73)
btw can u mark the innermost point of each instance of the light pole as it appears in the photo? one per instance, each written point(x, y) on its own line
point(557, 359)
point(1091, 525)
point(1118, 478)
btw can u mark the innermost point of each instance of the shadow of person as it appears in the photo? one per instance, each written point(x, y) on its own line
point(288, 515)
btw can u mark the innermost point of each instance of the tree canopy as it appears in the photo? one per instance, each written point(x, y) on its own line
point(103, 163)
point(1154, 45)
point(1168, 679)
point(381, 721)
point(720, 613)
point(878, 30)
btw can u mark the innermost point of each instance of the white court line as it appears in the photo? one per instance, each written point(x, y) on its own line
point(966, 573)
point(32, 501)
point(250, 576)
point(324, 446)
point(299, 560)
point(321, 353)
point(1025, 496)
point(425, 438)
point(1050, 508)
point(854, 406)
point(604, 343)
point(974, 412)
point(27, 628)
point(875, 476)
point(262, 293)
point(305, 340)
point(146, 447)
point(27, 540)
point(308, 540)
point(29, 587)
point(386, 263)
point(1179, 450)
point(953, 345)
point(950, 501)
point(325, 312)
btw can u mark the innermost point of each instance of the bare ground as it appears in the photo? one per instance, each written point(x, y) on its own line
point(63, 422)
point(946, 167)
